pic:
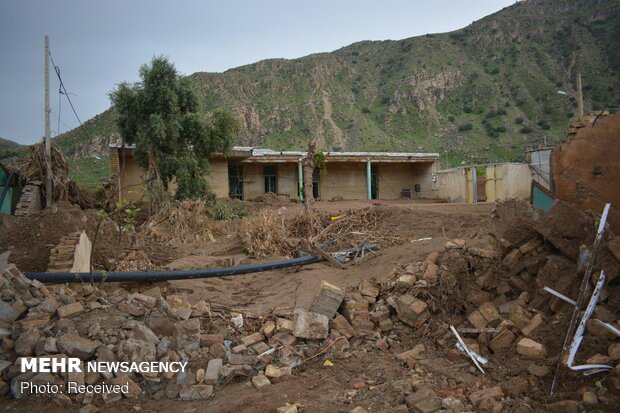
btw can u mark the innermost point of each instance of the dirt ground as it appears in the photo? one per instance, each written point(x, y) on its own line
point(370, 378)
point(285, 288)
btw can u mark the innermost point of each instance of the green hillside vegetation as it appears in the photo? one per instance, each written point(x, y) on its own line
point(89, 173)
point(479, 94)
point(8, 149)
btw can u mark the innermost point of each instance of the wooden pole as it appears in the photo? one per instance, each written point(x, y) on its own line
point(579, 96)
point(49, 197)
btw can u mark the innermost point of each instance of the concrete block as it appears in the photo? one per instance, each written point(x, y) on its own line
point(342, 325)
point(310, 325)
point(502, 340)
point(186, 334)
point(476, 319)
point(534, 324)
point(327, 300)
point(70, 310)
point(431, 273)
point(368, 288)
point(252, 339)
point(207, 340)
point(213, 371)
point(282, 324)
point(488, 311)
point(260, 381)
point(530, 348)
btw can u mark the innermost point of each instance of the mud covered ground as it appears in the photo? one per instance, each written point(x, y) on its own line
point(367, 376)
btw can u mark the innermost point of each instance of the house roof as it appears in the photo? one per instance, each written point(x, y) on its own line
point(266, 153)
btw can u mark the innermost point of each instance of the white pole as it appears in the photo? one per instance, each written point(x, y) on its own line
point(49, 197)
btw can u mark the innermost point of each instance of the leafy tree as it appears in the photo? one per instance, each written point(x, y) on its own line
point(160, 115)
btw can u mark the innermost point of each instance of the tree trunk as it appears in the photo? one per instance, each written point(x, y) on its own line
point(309, 163)
point(155, 186)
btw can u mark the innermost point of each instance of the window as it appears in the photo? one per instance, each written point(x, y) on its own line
point(271, 178)
point(235, 181)
point(374, 182)
point(316, 178)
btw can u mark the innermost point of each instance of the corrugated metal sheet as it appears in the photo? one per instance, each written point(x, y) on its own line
point(266, 152)
point(541, 167)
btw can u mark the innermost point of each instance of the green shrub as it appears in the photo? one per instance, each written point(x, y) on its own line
point(227, 209)
point(519, 120)
point(525, 129)
point(467, 109)
point(544, 124)
point(451, 118)
point(465, 127)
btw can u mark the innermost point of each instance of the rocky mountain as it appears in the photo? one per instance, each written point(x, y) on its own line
point(482, 93)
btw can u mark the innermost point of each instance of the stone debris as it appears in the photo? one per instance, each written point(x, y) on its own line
point(260, 381)
point(310, 325)
point(327, 300)
point(491, 291)
point(530, 348)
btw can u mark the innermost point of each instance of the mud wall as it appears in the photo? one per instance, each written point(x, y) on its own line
point(218, 177)
point(586, 169)
point(394, 177)
point(508, 180)
point(347, 180)
point(452, 185)
point(254, 179)
point(131, 178)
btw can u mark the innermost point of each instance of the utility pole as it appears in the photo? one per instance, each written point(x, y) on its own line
point(49, 196)
point(579, 96)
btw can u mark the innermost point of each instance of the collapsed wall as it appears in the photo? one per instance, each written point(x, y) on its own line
point(489, 288)
point(586, 171)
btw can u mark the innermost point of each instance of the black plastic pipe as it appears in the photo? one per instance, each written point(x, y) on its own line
point(68, 277)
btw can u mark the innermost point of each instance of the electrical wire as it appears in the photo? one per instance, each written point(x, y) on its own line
point(63, 90)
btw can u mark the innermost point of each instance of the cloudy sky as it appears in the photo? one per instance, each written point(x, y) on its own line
point(100, 43)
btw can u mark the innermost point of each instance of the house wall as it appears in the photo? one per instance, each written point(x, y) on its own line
point(508, 180)
point(347, 180)
point(131, 179)
point(254, 179)
point(452, 185)
point(218, 177)
point(423, 175)
point(343, 179)
point(586, 170)
point(394, 177)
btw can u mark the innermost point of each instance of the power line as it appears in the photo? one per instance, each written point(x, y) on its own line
point(63, 90)
point(60, 121)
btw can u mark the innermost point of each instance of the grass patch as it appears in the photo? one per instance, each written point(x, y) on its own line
point(89, 173)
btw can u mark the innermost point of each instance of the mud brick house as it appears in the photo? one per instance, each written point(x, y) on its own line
point(585, 169)
point(247, 173)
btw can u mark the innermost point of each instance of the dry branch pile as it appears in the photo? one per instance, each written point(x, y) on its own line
point(269, 233)
point(265, 234)
point(185, 221)
point(36, 170)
